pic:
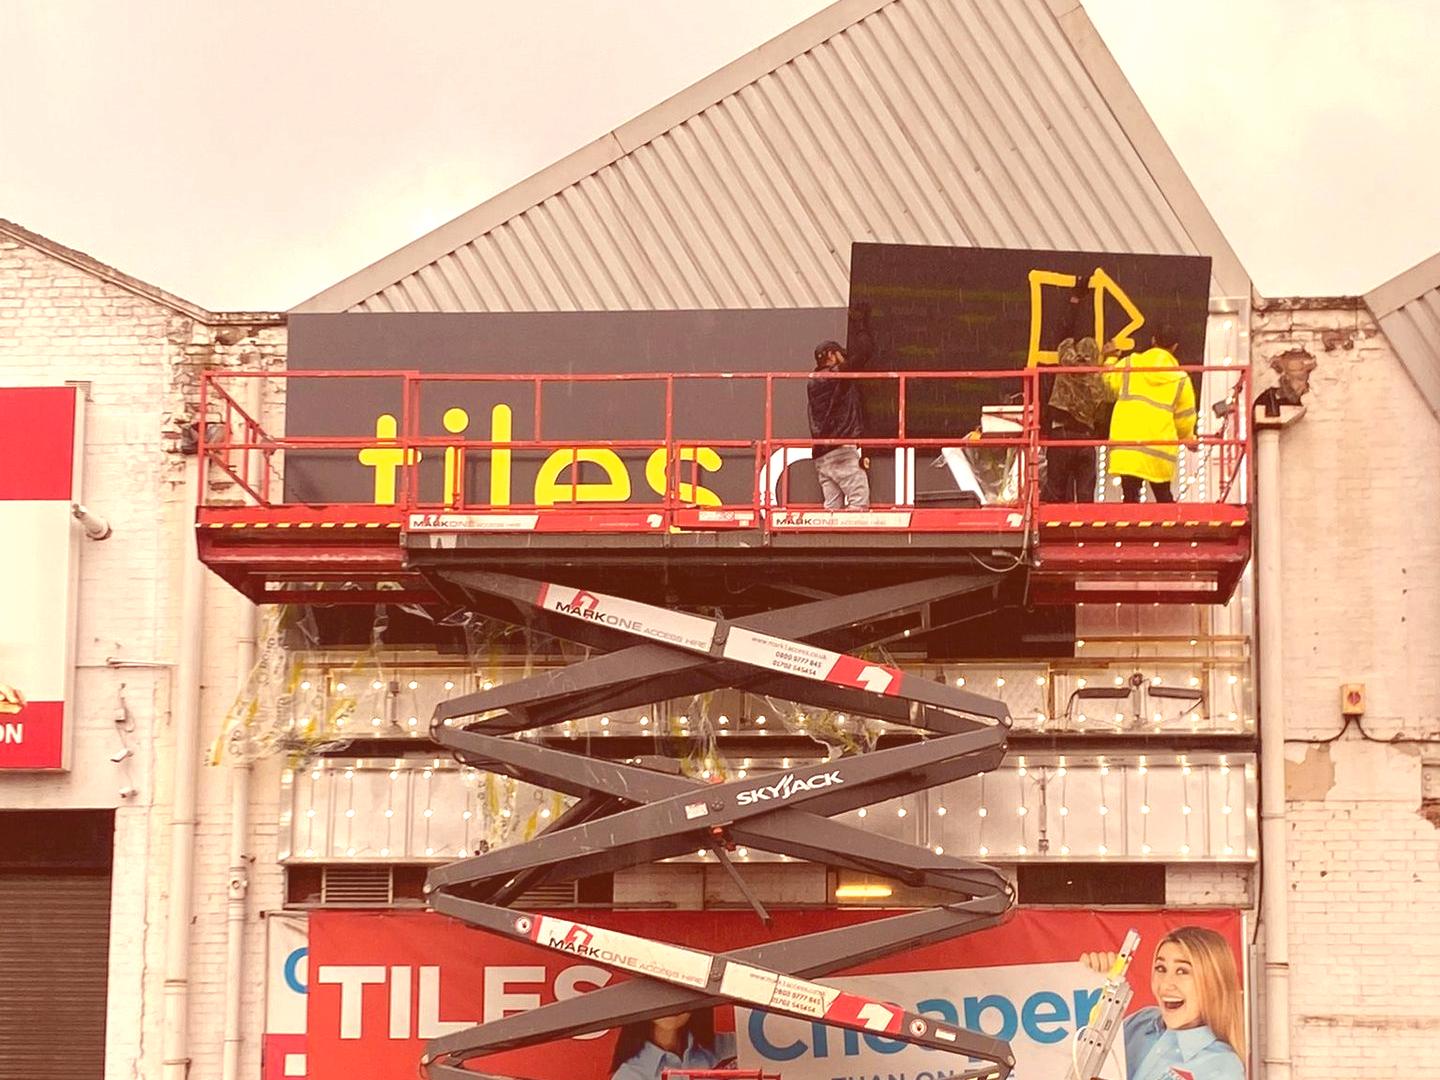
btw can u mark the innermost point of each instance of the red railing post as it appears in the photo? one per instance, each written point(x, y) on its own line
point(671, 496)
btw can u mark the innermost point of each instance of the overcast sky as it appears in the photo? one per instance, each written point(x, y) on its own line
point(250, 153)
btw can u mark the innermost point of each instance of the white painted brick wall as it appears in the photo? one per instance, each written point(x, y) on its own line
point(63, 319)
point(1362, 604)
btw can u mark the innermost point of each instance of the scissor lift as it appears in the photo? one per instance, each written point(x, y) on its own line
point(672, 549)
point(626, 816)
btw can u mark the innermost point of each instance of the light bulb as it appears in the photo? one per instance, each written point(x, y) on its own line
point(960, 680)
point(389, 812)
point(1104, 809)
point(900, 812)
point(465, 816)
point(449, 684)
point(340, 686)
point(982, 811)
point(1144, 849)
point(1022, 850)
point(999, 680)
point(350, 851)
point(413, 685)
point(1185, 809)
point(1022, 810)
point(1225, 809)
point(384, 851)
point(377, 685)
point(429, 812)
point(744, 853)
point(350, 812)
point(1064, 849)
point(860, 812)
point(939, 850)
point(1064, 811)
point(1144, 808)
point(1184, 849)
point(1103, 850)
point(1082, 683)
point(305, 684)
point(1039, 680)
point(940, 810)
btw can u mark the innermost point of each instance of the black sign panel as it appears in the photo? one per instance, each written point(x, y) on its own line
point(582, 413)
point(917, 308)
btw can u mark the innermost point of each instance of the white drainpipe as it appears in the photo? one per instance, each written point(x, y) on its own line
point(239, 879)
point(1275, 888)
point(186, 718)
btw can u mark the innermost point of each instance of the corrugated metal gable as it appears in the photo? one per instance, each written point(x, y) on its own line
point(1408, 311)
point(967, 122)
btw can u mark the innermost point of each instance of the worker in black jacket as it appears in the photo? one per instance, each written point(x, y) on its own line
point(836, 422)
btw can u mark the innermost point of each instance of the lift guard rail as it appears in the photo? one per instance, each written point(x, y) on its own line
point(699, 431)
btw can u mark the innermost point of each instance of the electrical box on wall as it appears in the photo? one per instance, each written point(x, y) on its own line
point(1352, 699)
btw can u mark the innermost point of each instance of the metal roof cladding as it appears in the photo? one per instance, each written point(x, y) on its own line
point(1407, 308)
point(995, 123)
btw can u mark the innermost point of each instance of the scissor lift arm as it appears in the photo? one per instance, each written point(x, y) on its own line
point(627, 816)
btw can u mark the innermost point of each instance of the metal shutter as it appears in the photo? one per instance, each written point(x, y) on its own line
point(54, 960)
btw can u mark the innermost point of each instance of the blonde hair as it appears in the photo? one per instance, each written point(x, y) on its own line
point(1213, 964)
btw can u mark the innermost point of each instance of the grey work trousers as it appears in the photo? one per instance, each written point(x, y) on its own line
point(842, 481)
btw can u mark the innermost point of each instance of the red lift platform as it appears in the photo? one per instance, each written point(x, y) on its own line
point(369, 511)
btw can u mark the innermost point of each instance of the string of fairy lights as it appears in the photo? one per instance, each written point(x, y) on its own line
point(1172, 807)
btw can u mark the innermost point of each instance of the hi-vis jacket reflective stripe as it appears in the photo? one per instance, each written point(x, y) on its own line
point(1150, 406)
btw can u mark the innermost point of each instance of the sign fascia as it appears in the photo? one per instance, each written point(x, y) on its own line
point(41, 465)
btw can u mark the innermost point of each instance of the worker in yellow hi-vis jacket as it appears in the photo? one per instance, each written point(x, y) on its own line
point(1155, 408)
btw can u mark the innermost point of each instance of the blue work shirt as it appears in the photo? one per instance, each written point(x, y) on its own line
point(650, 1061)
point(1154, 1052)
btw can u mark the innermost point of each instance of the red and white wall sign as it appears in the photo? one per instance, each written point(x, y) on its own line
point(40, 440)
point(357, 994)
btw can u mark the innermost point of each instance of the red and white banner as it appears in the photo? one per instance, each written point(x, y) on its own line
point(380, 984)
point(40, 439)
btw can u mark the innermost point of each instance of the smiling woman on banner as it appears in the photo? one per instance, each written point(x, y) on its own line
point(1196, 1031)
point(647, 1048)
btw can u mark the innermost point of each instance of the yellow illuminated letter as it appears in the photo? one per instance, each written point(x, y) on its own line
point(455, 421)
point(1101, 283)
point(1038, 280)
point(694, 494)
point(386, 459)
point(500, 459)
point(614, 488)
